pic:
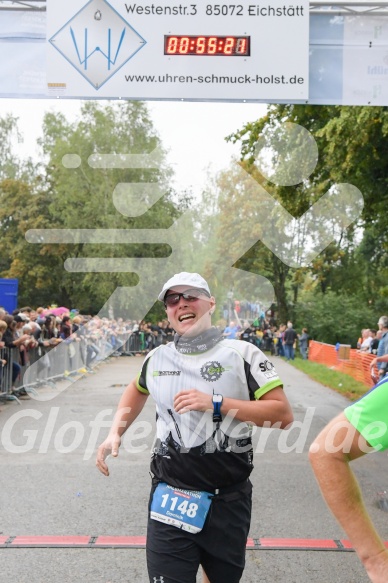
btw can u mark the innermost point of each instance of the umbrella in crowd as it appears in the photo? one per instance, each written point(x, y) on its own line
point(57, 311)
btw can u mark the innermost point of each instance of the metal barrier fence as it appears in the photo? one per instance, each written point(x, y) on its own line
point(134, 344)
point(47, 365)
point(141, 343)
point(6, 373)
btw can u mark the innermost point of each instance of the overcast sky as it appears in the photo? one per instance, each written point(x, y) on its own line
point(192, 132)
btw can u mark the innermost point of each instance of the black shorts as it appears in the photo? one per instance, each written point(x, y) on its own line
point(174, 555)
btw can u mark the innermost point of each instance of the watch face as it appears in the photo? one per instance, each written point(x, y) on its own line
point(217, 398)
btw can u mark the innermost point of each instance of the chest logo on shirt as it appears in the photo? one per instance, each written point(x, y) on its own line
point(212, 371)
point(166, 373)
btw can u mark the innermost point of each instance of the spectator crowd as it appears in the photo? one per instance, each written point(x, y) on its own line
point(376, 342)
point(263, 333)
point(28, 335)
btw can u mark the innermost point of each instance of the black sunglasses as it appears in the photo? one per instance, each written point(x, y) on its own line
point(190, 295)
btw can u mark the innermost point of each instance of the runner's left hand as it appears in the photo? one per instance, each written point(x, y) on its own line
point(192, 400)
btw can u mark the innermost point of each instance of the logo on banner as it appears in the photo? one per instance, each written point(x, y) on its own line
point(97, 42)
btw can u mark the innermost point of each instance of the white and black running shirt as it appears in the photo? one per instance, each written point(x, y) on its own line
point(191, 451)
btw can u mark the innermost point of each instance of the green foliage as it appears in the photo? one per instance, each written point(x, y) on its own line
point(352, 271)
point(332, 317)
point(23, 207)
point(81, 197)
point(343, 290)
point(11, 166)
point(229, 225)
point(8, 135)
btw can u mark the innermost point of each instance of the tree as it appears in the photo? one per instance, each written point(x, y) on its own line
point(77, 187)
point(351, 143)
point(9, 134)
point(85, 190)
point(355, 146)
point(333, 318)
point(240, 218)
point(23, 206)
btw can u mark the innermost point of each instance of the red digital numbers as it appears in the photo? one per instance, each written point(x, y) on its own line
point(212, 45)
point(201, 45)
point(184, 45)
point(231, 46)
point(230, 43)
point(172, 45)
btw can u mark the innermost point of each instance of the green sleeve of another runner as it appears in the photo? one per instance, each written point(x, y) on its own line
point(369, 415)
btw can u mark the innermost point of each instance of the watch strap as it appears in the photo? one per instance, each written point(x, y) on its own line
point(217, 410)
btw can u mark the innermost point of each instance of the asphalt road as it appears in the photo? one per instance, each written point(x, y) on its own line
point(49, 485)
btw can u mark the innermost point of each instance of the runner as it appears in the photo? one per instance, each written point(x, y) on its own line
point(360, 429)
point(207, 390)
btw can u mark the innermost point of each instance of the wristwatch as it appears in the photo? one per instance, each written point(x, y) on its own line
point(217, 404)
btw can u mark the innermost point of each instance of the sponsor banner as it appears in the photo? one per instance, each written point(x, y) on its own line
point(178, 50)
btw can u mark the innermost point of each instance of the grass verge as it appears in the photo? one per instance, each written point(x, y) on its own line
point(338, 381)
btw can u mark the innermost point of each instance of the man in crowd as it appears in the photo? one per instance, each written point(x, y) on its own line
point(360, 429)
point(248, 333)
point(231, 331)
point(289, 338)
point(206, 391)
point(303, 343)
point(376, 336)
point(383, 345)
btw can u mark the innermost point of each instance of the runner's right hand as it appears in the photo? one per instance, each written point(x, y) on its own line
point(109, 447)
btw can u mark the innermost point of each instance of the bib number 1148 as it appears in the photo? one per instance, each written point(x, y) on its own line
point(186, 509)
point(190, 509)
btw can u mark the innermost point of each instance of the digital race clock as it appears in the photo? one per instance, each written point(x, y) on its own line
point(226, 46)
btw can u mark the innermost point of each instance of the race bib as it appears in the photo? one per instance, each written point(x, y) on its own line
point(184, 509)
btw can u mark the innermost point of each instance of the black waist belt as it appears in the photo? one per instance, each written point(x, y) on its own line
point(216, 491)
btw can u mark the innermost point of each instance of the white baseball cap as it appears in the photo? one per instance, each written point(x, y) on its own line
point(184, 278)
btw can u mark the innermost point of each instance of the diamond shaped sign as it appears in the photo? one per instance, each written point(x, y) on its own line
point(97, 42)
